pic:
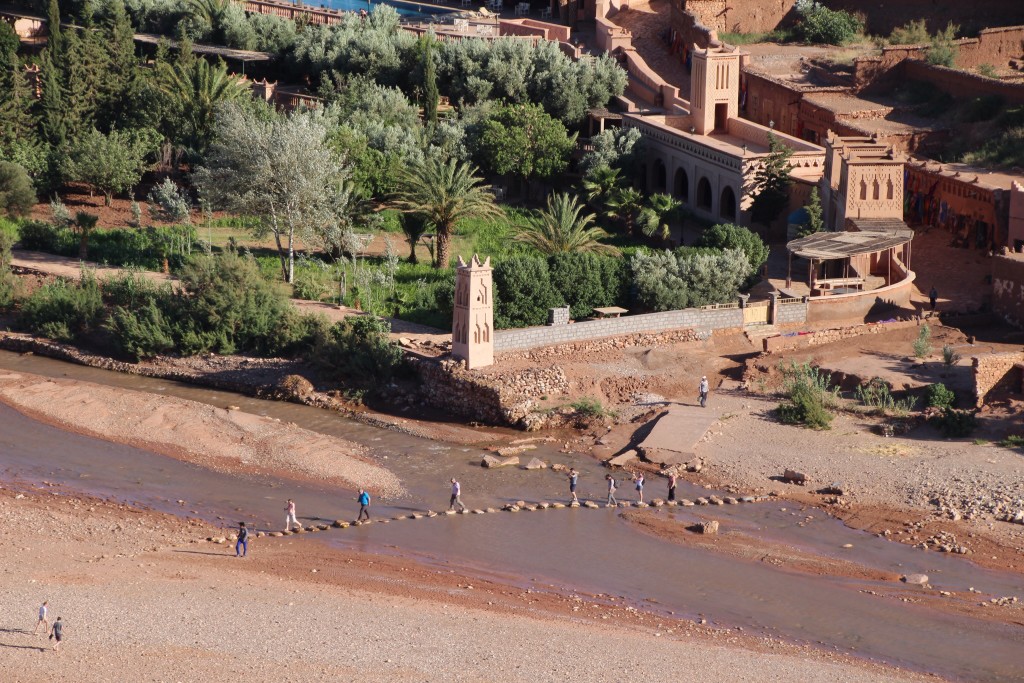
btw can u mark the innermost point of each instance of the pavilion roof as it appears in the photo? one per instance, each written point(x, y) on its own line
point(824, 246)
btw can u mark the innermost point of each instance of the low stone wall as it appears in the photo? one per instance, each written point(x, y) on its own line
point(1008, 288)
point(607, 344)
point(834, 334)
point(493, 396)
point(699, 319)
point(791, 313)
point(994, 372)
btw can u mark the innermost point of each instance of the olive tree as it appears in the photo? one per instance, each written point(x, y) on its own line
point(281, 170)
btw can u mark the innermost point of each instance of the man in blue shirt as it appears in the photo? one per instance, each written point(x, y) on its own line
point(364, 505)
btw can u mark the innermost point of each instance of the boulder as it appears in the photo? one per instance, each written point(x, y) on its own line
point(915, 579)
point(708, 528)
point(686, 503)
point(794, 477)
point(591, 505)
point(623, 459)
point(493, 462)
point(715, 500)
point(559, 467)
point(695, 466)
point(702, 501)
point(535, 464)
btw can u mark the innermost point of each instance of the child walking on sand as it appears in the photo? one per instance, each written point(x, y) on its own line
point(43, 609)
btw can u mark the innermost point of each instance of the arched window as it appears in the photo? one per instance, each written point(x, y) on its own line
point(681, 186)
point(863, 189)
point(889, 190)
point(704, 194)
point(727, 207)
point(877, 190)
point(660, 176)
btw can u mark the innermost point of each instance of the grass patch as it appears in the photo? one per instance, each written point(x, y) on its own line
point(1012, 441)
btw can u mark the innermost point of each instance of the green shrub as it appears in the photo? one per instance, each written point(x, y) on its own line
point(938, 396)
point(876, 395)
point(64, 310)
point(588, 407)
point(358, 350)
point(912, 33)
point(729, 236)
point(1012, 441)
point(39, 236)
point(922, 345)
point(988, 71)
point(956, 424)
point(8, 281)
point(141, 333)
point(949, 355)
point(819, 24)
point(313, 283)
point(809, 396)
point(586, 281)
point(943, 50)
point(523, 292)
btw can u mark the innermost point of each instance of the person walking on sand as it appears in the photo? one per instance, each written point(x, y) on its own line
point(291, 520)
point(242, 544)
point(933, 297)
point(639, 480)
point(672, 485)
point(611, 490)
point(456, 496)
point(574, 478)
point(364, 505)
point(703, 389)
point(57, 634)
point(43, 609)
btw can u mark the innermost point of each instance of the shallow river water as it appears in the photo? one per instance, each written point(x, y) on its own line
point(594, 551)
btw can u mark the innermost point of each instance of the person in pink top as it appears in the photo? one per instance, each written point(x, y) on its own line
point(291, 520)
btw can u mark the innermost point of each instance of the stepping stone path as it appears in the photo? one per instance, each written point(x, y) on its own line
point(519, 505)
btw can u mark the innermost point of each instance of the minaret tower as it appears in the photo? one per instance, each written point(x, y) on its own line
point(473, 316)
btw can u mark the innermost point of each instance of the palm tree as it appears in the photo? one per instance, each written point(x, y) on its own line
point(196, 89)
point(600, 184)
point(623, 206)
point(658, 215)
point(560, 228)
point(444, 193)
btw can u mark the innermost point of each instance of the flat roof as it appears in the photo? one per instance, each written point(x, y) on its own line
point(825, 246)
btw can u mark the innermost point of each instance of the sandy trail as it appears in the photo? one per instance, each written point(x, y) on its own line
point(218, 438)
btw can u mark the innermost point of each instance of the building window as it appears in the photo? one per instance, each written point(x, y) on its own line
point(659, 175)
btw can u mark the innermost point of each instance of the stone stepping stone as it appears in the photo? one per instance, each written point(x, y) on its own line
point(323, 527)
point(638, 504)
point(701, 501)
point(715, 500)
point(478, 512)
point(558, 506)
point(591, 505)
point(729, 500)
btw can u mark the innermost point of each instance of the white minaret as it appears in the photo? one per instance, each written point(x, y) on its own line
point(714, 88)
point(473, 316)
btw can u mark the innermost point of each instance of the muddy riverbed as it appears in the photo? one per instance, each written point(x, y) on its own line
point(599, 551)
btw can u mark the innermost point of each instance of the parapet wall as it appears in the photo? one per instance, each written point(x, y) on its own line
point(1008, 288)
point(700, 319)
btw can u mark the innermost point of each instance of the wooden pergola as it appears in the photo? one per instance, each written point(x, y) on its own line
point(867, 237)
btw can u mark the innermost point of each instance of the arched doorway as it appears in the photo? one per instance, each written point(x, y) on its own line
point(660, 176)
point(727, 207)
point(681, 186)
point(704, 194)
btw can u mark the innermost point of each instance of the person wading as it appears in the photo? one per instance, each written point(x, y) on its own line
point(611, 490)
point(574, 478)
point(456, 497)
point(291, 520)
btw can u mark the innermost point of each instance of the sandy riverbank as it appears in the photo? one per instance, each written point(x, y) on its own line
point(143, 601)
point(222, 439)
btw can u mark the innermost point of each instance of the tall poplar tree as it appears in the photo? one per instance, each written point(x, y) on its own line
point(771, 183)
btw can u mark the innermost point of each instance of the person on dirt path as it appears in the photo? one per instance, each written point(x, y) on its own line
point(57, 634)
point(933, 297)
point(291, 520)
point(364, 505)
point(672, 485)
point(574, 478)
point(456, 496)
point(242, 544)
point(611, 490)
point(638, 479)
point(703, 389)
point(43, 609)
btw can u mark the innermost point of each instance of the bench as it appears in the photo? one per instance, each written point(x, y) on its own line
point(610, 311)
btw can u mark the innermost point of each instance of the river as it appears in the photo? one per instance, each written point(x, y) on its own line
point(594, 551)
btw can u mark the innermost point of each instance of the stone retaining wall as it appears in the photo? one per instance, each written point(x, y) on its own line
point(495, 396)
point(699, 319)
point(802, 341)
point(606, 344)
point(790, 314)
point(996, 371)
